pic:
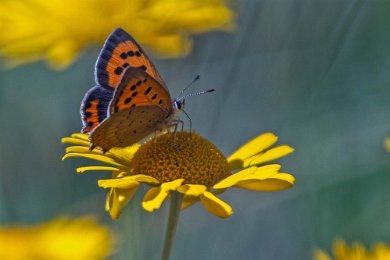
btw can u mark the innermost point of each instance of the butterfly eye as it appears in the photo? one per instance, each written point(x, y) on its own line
point(179, 104)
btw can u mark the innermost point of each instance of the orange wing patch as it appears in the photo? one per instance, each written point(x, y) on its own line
point(137, 88)
point(127, 54)
point(92, 117)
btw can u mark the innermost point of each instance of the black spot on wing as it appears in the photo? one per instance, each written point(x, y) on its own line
point(118, 71)
point(147, 91)
point(128, 100)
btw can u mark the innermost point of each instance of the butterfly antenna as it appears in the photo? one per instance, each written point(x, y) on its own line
point(189, 85)
point(197, 93)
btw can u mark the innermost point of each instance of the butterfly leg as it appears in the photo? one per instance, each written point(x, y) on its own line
point(174, 134)
point(176, 125)
point(91, 147)
point(154, 141)
point(189, 119)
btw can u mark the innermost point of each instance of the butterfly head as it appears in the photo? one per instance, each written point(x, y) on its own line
point(178, 103)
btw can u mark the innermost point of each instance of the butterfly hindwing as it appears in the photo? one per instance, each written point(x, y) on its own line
point(127, 127)
point(137, 88)
point(94, 107)
point(119, 52)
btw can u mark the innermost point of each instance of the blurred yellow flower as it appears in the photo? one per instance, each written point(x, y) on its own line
point(357, 251)
point(387, 144)
point(190, 165)
point(57, 30)
point(62, 238)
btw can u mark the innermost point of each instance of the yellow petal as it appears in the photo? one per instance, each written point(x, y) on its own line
point(75, 141)
point(61, 54)
point(124, 182)
point(154, 198)
point(121, 183)
point(145, 179)
point(81, 149)
point(277, 182)
point(269, 155)
point(192, 189)
point(264, 172)
point(81, 136)
point(260, 172)
point(172, 185)
point(97, 157)
point(125, 153)
point(189, 201)
point(196, 16)
point(117, 199)
point(171, 46)
point(95, 168)
point(251, 148)
point(234, 178)
point(320, 255)
point(119, 157)
point(215, 205)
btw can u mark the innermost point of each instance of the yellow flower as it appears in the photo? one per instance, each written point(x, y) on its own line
point(62, 238)
point(57, 30)
point(188, 164)
point(356, 251)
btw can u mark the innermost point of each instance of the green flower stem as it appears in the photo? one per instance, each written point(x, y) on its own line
point(174, 213)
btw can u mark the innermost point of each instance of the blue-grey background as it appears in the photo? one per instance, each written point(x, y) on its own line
point(316, 73)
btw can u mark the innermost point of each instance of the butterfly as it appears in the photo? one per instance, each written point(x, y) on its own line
point(130, 100)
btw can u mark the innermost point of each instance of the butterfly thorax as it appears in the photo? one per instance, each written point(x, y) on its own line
point(173, 118)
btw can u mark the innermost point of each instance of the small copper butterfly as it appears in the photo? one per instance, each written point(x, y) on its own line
point(130, 101)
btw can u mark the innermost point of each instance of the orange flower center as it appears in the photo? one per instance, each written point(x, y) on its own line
point(186, 156)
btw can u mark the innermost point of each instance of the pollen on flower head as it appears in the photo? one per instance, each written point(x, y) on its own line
point(187, 156)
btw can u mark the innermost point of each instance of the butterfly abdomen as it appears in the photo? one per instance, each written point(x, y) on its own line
point(94, 107)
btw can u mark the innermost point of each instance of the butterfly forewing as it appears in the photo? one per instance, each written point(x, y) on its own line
point(127, 127)
point(119, 52)
point(137, 88)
